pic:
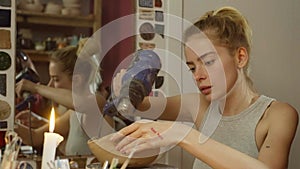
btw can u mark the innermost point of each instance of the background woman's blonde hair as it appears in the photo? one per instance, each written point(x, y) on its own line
point(72, 64)
point(67, 58)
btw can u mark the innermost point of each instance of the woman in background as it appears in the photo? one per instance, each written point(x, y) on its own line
point(70, 123)
point(254, 131)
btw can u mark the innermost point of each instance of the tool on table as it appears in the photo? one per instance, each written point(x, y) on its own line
point(114, 163)
point(128, 159)
point(12, 147)
point(105, 165)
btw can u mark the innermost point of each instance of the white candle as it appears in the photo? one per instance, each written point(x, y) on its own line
point(51, 141)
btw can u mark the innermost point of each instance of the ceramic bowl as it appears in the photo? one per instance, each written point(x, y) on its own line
point(74, 11)
point(53, 8)
point(70, 2)
point(65, 11)
point(72, 6)
point(104, 149)
point(32, 7)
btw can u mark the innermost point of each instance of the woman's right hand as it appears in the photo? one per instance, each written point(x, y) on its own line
point(146, 134)
point(24, 85)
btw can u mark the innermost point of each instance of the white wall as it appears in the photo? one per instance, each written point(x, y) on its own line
point(276, 41)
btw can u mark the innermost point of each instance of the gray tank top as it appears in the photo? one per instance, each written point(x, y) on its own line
point(77, 139)
point(238, 131)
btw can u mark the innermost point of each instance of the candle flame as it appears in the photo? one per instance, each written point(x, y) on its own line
point(52, 120)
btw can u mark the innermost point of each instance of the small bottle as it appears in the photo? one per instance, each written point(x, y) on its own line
point(50, 44)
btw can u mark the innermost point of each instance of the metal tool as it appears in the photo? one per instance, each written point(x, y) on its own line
point(12, 147)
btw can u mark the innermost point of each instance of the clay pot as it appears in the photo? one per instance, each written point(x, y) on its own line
point(53, 8)
point(32, 6)
point(104, 149)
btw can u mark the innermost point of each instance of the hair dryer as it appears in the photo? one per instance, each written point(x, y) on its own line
point(137, 83)
point(28, 74)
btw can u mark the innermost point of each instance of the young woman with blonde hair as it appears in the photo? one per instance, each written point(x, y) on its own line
point(254, 131)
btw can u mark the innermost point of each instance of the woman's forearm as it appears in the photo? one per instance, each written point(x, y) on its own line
point(217, 155)
point(33, 137)
point(58, 95)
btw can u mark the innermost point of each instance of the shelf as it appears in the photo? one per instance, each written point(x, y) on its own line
point(38, 56)
point(32, 20)
point(53, 19)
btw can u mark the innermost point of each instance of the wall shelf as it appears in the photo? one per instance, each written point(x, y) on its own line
point(43, 25)
point(53, 19)
point(38, 56)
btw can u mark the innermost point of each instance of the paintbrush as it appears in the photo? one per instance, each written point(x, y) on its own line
point(128, 159)
point(114, 163)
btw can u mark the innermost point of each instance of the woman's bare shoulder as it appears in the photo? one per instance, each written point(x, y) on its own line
point(279, 108)
point(281, 112)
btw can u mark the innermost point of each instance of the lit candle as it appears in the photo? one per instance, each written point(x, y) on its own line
point(51, 141)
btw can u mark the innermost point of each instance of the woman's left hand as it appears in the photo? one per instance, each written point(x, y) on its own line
point(34, 122)
point(145, 134)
